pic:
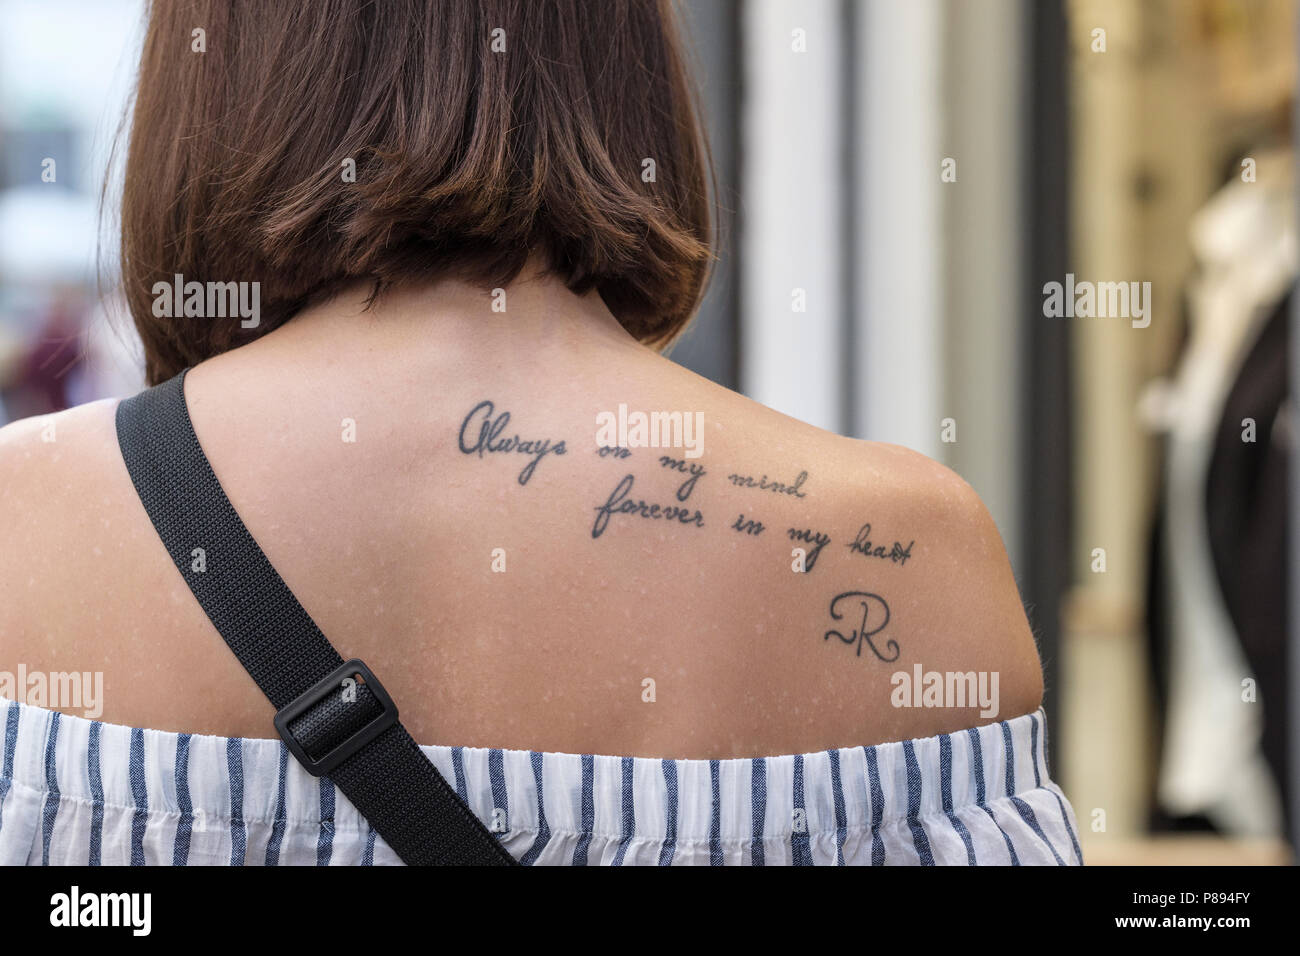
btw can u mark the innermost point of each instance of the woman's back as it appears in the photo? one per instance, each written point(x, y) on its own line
point(518, 594)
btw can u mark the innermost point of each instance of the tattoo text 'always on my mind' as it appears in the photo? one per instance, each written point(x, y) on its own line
point(488, 441)
point(779, 487)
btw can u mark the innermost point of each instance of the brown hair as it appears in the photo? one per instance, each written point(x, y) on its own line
point(466, 159)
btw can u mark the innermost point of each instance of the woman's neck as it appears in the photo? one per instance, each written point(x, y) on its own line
point(431, 320)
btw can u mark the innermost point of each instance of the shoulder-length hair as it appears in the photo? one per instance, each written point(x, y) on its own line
point(306, 146)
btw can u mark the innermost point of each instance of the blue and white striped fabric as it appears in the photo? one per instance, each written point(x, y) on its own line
point(75, 791)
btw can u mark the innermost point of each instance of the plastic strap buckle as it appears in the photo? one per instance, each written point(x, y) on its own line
point(337, 682)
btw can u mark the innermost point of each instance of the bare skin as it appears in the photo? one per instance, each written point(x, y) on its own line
point(388, 542)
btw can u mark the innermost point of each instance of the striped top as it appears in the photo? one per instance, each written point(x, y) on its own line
point(76, 791)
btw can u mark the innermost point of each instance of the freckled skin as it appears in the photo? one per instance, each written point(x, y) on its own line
point(387, 541)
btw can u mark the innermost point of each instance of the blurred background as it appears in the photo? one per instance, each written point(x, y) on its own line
point(902, 180)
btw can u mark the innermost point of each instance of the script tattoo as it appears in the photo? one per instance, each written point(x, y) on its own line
point(748, 481)
point(864, 546)
point(809, 536)
point(620, 503)
point(615, 451)
point(748, 526)
point(489, 442)
point(868, 602)
point(695, 471)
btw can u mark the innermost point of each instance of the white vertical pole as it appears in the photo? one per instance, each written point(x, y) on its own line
point(793, 204)
point(897, 381)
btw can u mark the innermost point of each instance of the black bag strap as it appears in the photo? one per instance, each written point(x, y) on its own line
point(332, 723)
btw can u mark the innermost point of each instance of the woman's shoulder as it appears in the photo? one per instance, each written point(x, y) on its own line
point(55, 468)
point(74, 530)
point(904, 569)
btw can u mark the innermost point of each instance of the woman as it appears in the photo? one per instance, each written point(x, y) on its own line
point(419, 260)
